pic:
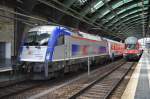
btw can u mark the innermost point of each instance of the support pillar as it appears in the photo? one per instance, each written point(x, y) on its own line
point(88, 65)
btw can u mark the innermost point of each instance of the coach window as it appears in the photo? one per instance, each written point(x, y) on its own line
point(60, 40)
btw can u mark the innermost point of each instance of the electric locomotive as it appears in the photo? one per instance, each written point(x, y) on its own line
point(132, 51)
point(49, 51)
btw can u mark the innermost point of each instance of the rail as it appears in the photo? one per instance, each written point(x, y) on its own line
point(107, 92)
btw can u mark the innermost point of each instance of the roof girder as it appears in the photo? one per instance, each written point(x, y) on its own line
point(115, 10)
point(132, 28)
point(132, 18)
point(124, 6)
point(133, 24)
point(130, 22)
point(123, 20)
point(127, 16)
point(123, 14)
point(112, 11)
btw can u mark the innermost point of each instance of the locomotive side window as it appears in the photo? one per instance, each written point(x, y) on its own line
point(60, 40)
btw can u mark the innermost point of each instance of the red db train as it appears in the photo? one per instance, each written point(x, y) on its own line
point(132, 51)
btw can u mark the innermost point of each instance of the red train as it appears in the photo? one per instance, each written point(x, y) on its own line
point(132, 51)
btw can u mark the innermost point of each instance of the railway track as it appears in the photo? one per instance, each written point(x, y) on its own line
point(73, 89)
point(10, 82)
point(103, 87)
point(119, 90)
point(63, 92)
point(16, 88)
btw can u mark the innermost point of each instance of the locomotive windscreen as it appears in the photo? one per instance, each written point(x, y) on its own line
point(130, 46)
point(131, 40)
point(37, 38)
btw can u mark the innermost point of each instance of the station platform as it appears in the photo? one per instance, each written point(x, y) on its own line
point(5, 65)
point(6, 71)
point(139, 84)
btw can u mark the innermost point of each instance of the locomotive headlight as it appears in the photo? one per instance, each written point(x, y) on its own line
point(138, 54)
point(124, 54)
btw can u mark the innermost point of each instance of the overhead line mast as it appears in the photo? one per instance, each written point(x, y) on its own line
point(143, 18)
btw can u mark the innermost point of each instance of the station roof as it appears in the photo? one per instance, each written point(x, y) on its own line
point(113, 18)
point(127, 17)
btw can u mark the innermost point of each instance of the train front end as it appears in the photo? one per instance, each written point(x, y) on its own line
point(132, 51)
point(33, 51)
point(133, 54)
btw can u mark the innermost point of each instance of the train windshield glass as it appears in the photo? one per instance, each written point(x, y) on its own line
point(131, 46)
point(37, 38)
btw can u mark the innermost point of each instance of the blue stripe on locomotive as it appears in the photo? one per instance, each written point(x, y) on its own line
point(56, 33)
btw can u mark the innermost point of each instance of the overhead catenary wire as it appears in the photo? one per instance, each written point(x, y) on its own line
point(26, 16)
point(31, 24)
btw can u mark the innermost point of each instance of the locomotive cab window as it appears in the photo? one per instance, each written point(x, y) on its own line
point(131, 46)
point(43, 39)
point(60, 40)
point(37, 38)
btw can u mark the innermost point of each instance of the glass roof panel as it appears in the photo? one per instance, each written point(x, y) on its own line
point(82, 1)
point(117, 4)
point(145, 8)
point(145, 1)
point(135, 11)
point(134, 5)
point(133, 20)
point(131, 17)
point(121, 11)
point(131, 13)
point(138, 19)
point(139, 4)
point(111, 17)
point(107, 0)
point(97, 6)
point(124, 20)
point(126, 1)
point(104, 12)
